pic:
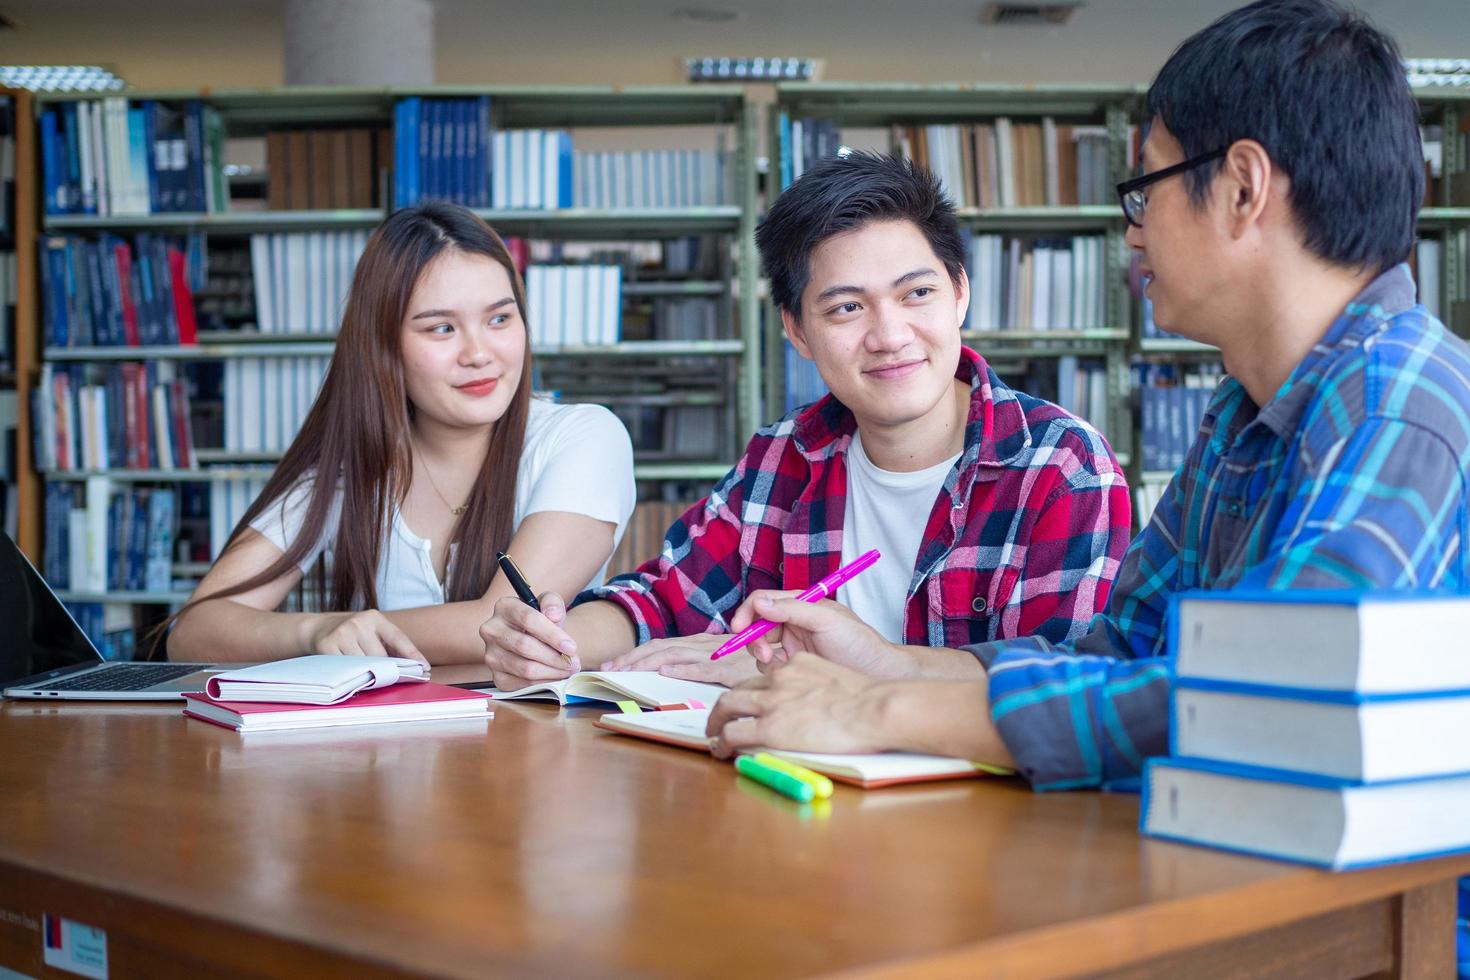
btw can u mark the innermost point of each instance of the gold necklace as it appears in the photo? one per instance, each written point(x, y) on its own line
point(456, 511)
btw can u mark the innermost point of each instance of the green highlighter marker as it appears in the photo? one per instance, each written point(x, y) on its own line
point(820, 784)
point(783, 783)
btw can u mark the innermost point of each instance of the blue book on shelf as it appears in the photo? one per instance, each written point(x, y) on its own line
point(71, 143)
point(53, 165)
point(1317, 822)
point(158, 570)
point(433, 187)
point(400, 153)
point(784, 124)
point(483, 133)
point(194, 156)
point(564, 169)
point(151, 136)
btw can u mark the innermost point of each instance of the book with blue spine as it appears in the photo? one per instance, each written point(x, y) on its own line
point(1309, 821)
point(1371, 642)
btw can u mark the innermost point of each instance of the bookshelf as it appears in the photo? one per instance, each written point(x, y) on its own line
point(625, 375)
point(918, 119)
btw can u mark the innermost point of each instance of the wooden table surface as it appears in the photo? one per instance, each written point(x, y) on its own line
point(535, 844)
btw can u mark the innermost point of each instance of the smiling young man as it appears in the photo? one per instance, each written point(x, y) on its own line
point(998, 514)
point(1283, 176)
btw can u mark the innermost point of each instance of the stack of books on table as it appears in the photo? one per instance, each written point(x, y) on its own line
point(1320, 727)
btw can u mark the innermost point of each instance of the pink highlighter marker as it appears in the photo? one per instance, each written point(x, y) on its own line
point(824, 589)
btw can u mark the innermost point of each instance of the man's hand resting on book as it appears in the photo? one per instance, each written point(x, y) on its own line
point(687, 658)
point(523, 646)
point(359, 634)
point(805, 704)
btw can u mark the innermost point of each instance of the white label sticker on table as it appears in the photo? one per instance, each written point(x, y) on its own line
point(71, 946)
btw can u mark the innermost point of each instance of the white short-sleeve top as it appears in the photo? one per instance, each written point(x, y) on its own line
point(577, 458)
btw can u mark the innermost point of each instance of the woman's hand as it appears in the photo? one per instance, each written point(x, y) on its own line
point(524, 647)
point(359, 634)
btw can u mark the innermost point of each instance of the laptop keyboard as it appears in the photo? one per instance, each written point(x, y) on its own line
point(121, 677)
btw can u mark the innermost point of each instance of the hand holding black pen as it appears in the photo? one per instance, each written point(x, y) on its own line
point(525, 594)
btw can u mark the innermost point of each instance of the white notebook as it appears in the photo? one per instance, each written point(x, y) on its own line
point(686, 730)
point(318, 679)
point(648, 688)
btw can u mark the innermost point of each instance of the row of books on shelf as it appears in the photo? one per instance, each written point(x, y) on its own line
point(1172, 403)
point(1037, 283)
point(531, 169)
point(102, 538)
point(301, 279)
point(110, 626)
point(266, 400)
point(110, 157)
point(131, 415)
point(1077, 384)
point(803, 142)
point(442, 150)
point(109, 291)
point(574, 304)
point(668, 257)
point(326, 169)
point(1323, 728)
point(648, 179)
point(1004, 163)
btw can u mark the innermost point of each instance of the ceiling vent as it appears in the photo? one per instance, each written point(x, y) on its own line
point(1028, 14)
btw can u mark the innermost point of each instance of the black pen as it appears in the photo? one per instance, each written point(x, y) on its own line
point(522, 587)
point(517, 580)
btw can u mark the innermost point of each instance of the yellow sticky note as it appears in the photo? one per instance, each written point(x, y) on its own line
point(630, 707)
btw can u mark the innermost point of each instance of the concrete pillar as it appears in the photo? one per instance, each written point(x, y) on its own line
point(359, 42)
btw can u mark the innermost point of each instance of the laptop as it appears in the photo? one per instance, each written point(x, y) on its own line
point(45, 654)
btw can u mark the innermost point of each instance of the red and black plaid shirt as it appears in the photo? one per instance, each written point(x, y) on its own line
point(1023, 539)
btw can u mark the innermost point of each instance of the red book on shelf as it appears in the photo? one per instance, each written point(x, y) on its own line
point(147, 458)
point(183, 298)
point(131, 458)
point(178, 405)
point(425, 701)
point(124, 260)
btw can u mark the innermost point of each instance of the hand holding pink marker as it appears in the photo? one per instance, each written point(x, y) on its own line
point(825, 589)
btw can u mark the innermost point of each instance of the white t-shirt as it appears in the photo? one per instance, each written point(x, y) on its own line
point(577, 458)
point(887, 511)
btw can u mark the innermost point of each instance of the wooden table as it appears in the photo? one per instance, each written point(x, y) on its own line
point(537, 845)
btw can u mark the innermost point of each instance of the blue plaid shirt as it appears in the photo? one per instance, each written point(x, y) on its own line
point(1353, 476)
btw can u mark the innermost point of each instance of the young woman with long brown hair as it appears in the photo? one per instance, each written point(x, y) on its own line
point(441, 458)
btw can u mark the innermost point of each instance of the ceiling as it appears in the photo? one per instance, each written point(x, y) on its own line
point(222, 43)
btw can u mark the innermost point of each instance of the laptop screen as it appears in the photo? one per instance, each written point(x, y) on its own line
point(37, 634)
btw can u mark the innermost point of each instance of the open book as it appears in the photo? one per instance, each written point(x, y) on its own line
point(686, 730)
point(648, 688)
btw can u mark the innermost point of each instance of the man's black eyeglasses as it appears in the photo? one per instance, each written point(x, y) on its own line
point(1131, 192)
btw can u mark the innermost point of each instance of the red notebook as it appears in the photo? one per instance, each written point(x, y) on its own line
point(400, 702)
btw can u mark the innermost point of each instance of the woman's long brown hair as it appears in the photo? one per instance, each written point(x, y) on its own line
point(358, 427)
